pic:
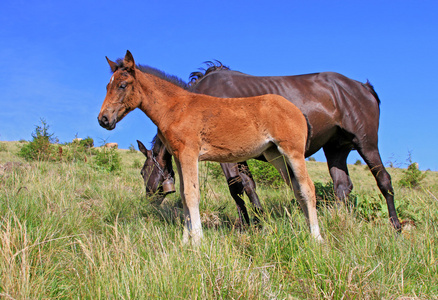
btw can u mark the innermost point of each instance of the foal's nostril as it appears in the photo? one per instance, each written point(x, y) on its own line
point(103, 121)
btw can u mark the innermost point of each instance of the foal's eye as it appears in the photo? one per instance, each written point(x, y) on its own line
point(123, 85)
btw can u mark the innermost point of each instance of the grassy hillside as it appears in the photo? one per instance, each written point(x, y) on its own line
point(70, 230)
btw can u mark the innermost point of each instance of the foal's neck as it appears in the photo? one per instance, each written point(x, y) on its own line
point(159, 97)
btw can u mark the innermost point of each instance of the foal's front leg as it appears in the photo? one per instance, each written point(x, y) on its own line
point(189, 190)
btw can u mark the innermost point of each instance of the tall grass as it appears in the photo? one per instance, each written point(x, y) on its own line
point(69, 230)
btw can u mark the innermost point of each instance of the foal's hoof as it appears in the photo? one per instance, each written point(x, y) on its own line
point(319, 239)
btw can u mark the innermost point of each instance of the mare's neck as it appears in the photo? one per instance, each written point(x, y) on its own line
point(159, 97)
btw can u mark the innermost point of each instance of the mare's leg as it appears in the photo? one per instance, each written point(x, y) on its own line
point(370, 153)
point(240, 180)
point(235, 184)
point(337, 164)
point(250, 188)
point(189, 190)
point(294, 171)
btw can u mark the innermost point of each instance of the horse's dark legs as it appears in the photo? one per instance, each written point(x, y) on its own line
point(337, 164)
point(239, 181)
point(236, 187)
point(372, 158)
point(250, 188)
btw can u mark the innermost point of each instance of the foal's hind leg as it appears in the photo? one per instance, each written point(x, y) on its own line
point(304, 189)
point(294, 172)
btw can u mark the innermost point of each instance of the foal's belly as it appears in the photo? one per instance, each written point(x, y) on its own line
point(232, 153)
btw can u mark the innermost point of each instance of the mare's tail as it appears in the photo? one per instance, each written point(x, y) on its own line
point(309, 133)
point(371, 89)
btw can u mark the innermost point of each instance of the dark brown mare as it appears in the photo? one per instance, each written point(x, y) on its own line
point(197, 127)
point(343, 114)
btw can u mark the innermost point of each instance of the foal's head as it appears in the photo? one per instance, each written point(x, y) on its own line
point(121, 96)
point(157, 171)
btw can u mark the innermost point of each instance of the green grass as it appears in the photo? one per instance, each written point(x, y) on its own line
point(69, 230)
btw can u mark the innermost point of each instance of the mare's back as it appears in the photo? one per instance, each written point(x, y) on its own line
point(330, 100)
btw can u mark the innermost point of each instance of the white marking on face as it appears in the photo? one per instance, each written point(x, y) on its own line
point(112, 79)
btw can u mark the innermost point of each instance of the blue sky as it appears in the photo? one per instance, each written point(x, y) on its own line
point(53, 59)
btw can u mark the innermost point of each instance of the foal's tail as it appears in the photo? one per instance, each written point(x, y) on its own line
point(309, 133)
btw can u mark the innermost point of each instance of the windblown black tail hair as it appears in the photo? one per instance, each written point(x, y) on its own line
point(309, 133)
point(370, 87)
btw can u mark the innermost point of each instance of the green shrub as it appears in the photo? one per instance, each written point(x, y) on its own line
point(41, 147)
point(311, 158)
point(3, 147)
point(132, 149)
point(265, 173)
point(370, 208)
point(358, 162)
point(325, 193)
point(75, 151)
point(367, 207)
point(87, 143)
point(412, 176)
point(107, 159)
point(214, 169)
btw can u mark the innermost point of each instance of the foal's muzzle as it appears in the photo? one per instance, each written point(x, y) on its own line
point(105, 123)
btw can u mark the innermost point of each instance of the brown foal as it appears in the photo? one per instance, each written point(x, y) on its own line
point(196, 127)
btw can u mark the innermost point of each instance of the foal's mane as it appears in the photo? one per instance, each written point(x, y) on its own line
point(194, 77)
point(158, 73)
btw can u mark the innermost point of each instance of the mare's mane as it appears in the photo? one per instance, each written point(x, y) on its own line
point(196, 76)
point(154, 142)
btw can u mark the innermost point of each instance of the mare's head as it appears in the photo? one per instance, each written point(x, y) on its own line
point(121, 96)
point(157, 171)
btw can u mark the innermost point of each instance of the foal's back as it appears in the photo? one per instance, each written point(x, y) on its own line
point(232, 129)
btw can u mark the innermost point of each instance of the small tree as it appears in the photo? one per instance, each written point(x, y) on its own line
point(412, 176)
point(41, 147)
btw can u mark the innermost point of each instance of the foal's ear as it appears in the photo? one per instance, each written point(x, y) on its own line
point(128, 62)
point(112, 64)
point(142, 148)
